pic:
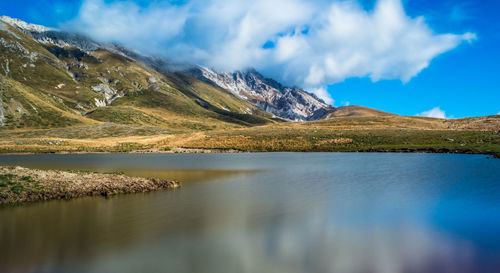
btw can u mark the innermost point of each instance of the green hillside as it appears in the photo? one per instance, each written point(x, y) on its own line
point(46, 86)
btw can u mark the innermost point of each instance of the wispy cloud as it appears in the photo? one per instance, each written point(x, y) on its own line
point(308, 43)
point(435, 112)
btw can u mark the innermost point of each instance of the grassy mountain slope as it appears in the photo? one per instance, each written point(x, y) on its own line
point(23, 106)
point(85, 87)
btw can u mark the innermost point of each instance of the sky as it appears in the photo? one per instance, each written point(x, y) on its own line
point(410, 57)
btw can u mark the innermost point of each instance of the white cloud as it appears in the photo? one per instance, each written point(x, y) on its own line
point(323, 94)
point(435, 112)
point(127, 23)
point(316, 43)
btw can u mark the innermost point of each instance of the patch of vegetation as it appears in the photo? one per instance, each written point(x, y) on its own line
point(6, 177)
point(11, 184)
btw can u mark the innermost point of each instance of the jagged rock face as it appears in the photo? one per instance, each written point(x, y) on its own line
point(269, 95)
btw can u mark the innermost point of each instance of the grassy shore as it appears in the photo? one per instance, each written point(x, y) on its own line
point(278, 140)
point(381, 140)
point(21, 185)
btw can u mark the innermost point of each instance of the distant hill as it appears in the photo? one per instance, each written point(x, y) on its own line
point(357, 111)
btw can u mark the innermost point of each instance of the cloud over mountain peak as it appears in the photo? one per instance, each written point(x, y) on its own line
point(305, 43)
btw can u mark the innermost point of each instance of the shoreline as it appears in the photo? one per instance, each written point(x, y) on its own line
point(177, 150)
point(19, 185)
point(234, 151)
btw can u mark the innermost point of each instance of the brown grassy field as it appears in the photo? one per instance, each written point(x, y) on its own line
point(340, 134)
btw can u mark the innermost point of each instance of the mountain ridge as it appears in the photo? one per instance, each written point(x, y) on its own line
point(267, 94)
point(78, 81)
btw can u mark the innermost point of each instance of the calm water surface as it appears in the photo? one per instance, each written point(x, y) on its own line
point(279, 212)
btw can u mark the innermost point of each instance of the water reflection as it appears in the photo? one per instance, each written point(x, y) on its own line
point(324, 213)
point(187, 176)
point(127, 234)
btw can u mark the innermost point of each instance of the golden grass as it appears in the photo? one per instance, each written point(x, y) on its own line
point(389, 133)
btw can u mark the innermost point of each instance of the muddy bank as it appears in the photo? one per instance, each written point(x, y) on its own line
point(20, 185)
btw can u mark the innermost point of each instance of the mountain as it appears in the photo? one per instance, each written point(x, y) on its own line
point(51, 78)
point(269, 95)
point(288, 103)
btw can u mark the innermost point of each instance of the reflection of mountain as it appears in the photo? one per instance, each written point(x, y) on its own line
point(167, 229)
point(188, 176)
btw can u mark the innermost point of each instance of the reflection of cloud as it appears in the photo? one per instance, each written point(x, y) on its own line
point(284, 244)
point(317, 246)
point(257, 234)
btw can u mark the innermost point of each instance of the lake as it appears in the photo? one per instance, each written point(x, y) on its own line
point(266, 212)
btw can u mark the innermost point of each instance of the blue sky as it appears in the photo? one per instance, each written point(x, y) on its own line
point(463, 82)
point(461, 79)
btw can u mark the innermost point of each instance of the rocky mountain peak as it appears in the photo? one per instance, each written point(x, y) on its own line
point(269, 95)
point(26, 27)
